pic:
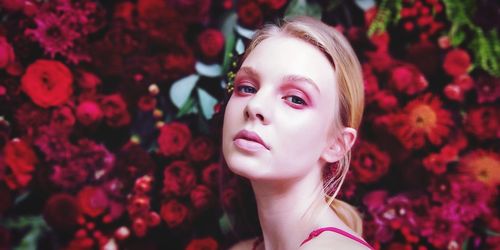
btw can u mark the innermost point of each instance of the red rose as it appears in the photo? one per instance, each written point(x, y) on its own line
point(210, 175)
point(62, 118)
point(211, 42)
point(274, 4)
point(207, 243)
point(483, 122)
point(61, 212)
point(147, 103)
point(179, 179)
point(369, 162)
point(408, 79)
point(88, 112)
point(174, 213)
point(456, 62)
point(21, 160)
point(173, 139)
point(7, 55)
point(115, 110)
point(47, 83)
point(201, 197)
point(193, 10)
point(249, 14)
point(200, 149)
point(92, 200)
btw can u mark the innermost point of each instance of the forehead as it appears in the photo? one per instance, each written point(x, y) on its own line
point(285, 55)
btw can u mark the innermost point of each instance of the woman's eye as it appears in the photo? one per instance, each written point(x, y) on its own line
point(246, 89)
point(296, 100)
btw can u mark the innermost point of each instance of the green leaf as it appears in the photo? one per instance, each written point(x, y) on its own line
point(212, 70)
point(188, 107)
point(207, 103)
point(303, 8)
point(228, 31)
point(225, 224)
point(181, 89)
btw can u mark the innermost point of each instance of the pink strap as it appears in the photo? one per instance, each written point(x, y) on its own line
point(337, 230)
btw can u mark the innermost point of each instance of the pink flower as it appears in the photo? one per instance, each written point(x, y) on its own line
point(456, 62)
point(487, 88)
point(88, 112)
point(408, 79)
point(439, 221)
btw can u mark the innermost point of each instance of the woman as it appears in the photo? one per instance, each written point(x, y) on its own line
point(295, 109)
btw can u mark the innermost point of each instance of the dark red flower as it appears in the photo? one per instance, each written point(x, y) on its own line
point(63, 119)
point(88, 112)
point(47, 83)
point(229, 196)
point(273, 4)
point(173, 139)
point(61, 212)
point(211, 42)
point(147, 103)
point(179, 179)
point(7, 55)
point(174, 213)
point(21, 160)
point(408, 79)
point(207, 243)
point(200, 149)
point(210, 175)
point(440, 221)
point(483, 122)
point(456, 62)
point(179, 64)
point(92, 200)
point(380, 60)
point(192, 10)
point(115, 110)
point(201, 197)
point(369, 162)
point(487, 88)
point(249, 14)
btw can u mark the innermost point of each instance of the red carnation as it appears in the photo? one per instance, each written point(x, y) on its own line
point(201, 197)
point(173, 138)
point(369, 163)
point(179, 179)
point(456, 62)
point(174, 213)
point(200, 149)
point(47, 82)
point(408, 79)
point(211, 42)
point(21, 160)
point(92, 200)
point(61, 212)
point(207, 243)
point(249, 14)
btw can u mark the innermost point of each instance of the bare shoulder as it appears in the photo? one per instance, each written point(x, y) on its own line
point(326, 241)
point(243, 245)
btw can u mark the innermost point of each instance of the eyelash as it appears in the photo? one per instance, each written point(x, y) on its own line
point(301, 101)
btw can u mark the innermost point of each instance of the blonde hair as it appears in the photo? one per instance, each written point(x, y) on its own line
point(350, 88)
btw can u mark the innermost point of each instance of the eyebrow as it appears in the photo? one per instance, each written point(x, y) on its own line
point(252, 72)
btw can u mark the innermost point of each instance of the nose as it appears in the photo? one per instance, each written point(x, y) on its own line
point(258, 108)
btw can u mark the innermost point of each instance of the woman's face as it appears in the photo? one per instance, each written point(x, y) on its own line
point(285, 93)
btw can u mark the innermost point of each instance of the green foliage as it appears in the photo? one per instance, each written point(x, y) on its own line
point(303, 8)
point(387, 12)
point(36, 227)
point(486, 47)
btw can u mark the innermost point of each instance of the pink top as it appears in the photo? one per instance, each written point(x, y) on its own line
point(318, 232)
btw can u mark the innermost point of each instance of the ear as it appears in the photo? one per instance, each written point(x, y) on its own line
point(338, 146)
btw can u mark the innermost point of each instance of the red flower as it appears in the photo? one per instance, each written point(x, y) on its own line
point(273, 4)
point(369, 162)
point(483, 122)
point(174, 137)
point(408, 79)
point(207, 243)
point(7, 55)
point(179, 64)
point(61, 212)
point(487, 88)
point(92, 200)
point(456, 62)
point(229, 196)
point(63, 119)
point(483, 165)
point(210, 175)
point(381, 41)
point(47, 83)
point(21, 160)
point(249, 14)
point(380, 60)
point(179, 179)
point(174, 213)
point(147, 103)
point(200, 149)
point(193, 10)
point(421, 119)
point(88, 112)
point(115, 110)
point(201, 197)
point(211, 42)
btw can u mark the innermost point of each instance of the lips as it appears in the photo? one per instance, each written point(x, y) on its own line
point(251, 136)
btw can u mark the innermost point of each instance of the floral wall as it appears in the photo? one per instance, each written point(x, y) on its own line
point(110, 118)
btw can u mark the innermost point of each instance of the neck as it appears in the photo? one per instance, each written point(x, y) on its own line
point(289, 210)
